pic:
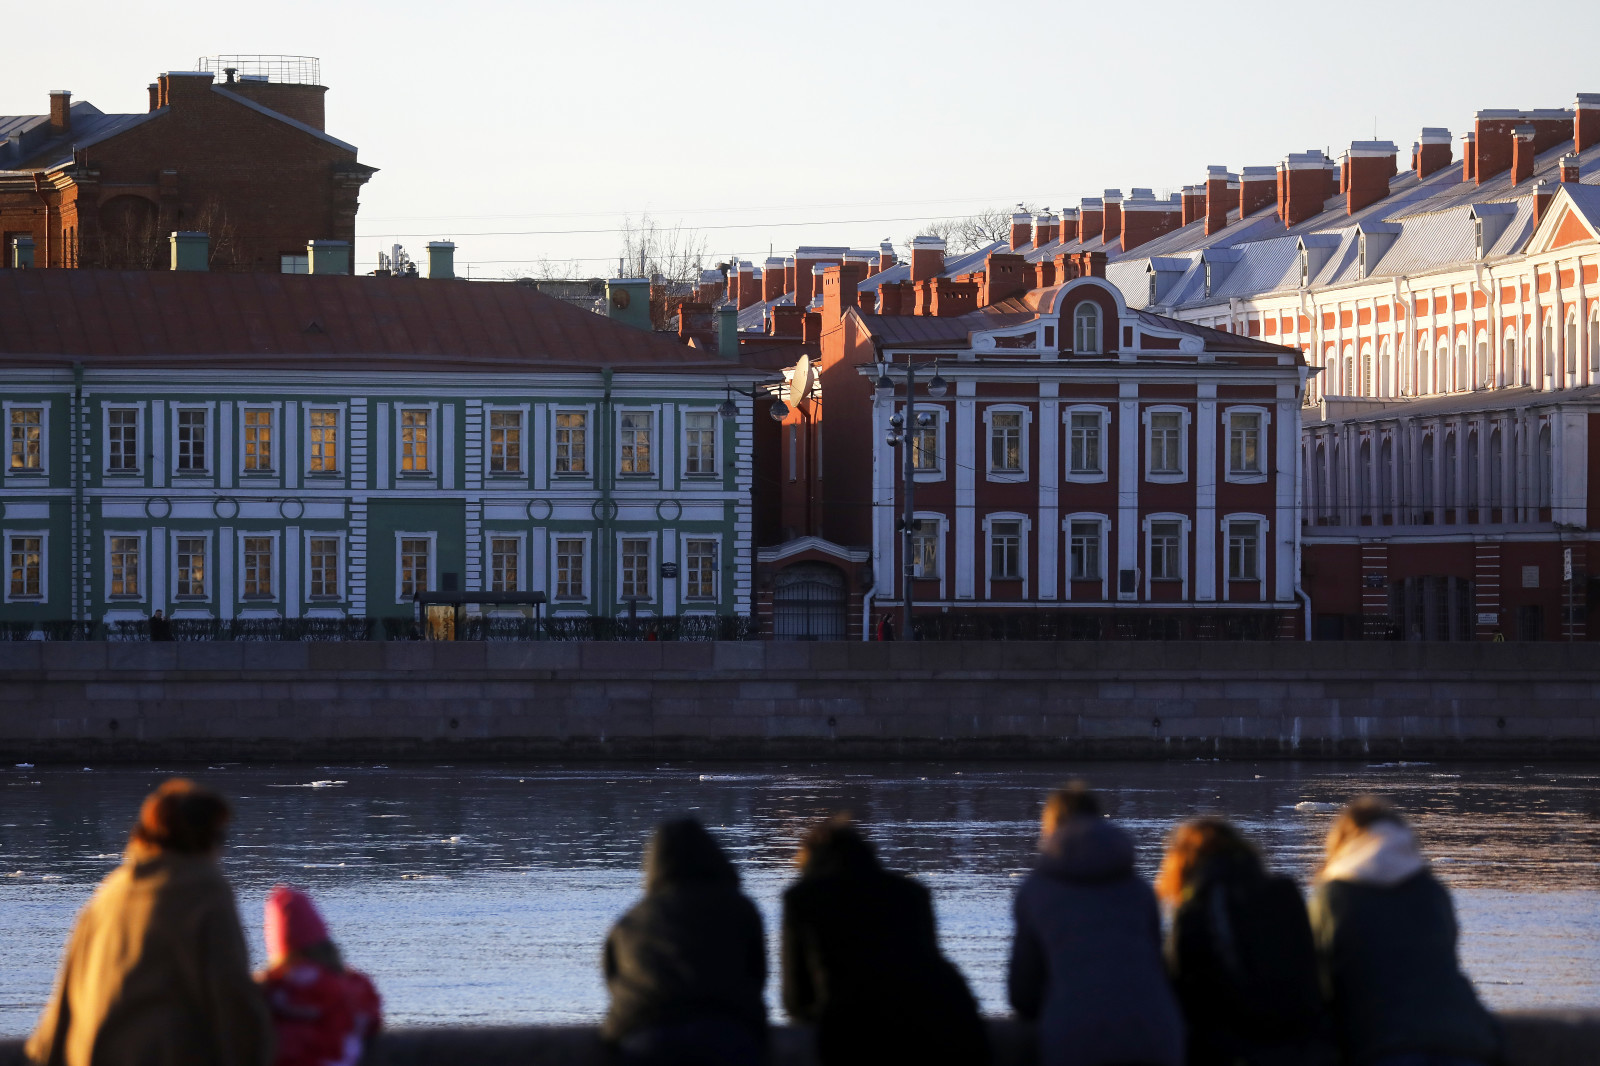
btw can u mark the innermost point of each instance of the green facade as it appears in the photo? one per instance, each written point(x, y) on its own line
point(235, 494)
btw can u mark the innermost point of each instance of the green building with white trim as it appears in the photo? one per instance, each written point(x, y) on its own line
point(250, 446)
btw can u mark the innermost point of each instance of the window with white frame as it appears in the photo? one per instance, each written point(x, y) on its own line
point(570, 567)
point(635, 568)
point(1165, 443)
point(257, 583)
point(415, 438)
point(505, 564)
point(25, 566)
point(190, 569)
point(322, 443)
point(322, 555)
point(1083, 546)
point(257, 429)
point(27, 440)
point(1509, 358)
point(1594, 341)
point(1572, 342)
point(415, 565)
point(700, 566)
point(700, 443)
point(193, 440)
point(505, 441)
point(1087, 445)
point(572, 442)
point(1005, 442)
point(635, 451)
point(1244, 551)
point(925, 442)
point(124, 561)
point(1244, 443)
point(1005, 550)
point(122, 440)
point(1086, 327)
point(925, 549)
point(1166, 550)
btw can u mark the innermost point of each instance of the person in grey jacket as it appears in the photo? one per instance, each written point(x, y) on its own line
point(1386, 939)
point(1086, 963)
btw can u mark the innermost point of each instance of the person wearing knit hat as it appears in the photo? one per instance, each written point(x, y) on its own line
point(325, 1014)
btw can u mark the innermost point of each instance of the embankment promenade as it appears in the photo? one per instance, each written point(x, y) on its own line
point(89, 701)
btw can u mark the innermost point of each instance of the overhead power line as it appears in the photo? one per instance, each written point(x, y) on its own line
point(624, 229)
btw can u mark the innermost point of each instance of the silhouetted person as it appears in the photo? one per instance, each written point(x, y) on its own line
point(156, 972)
point(861, 961)
point(1240, 953)
point(886, 627)
point(686, 965)
point(160, 627)
point(1086, 962)
point(322, 1011)
point(1386, 936)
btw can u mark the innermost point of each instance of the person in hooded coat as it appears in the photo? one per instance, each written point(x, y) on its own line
point(861, 961)
point(1386, 938)
point(1086, 959)
point(156, 972)
point(1240, 953)
point(686, 965)
point(323, 1011)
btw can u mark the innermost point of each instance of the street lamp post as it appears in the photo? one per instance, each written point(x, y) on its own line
point(902, 431)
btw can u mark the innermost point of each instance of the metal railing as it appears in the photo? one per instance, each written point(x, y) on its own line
point(671, 627)
point(287, 70)
point(1102, 625)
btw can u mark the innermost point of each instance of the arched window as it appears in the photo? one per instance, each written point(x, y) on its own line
point(1386, 477)
point(1530, 361)
point(1572, 342)
point(1545, 467)
point(1424, 370)
point(1347, 386)
point(1484, 377)
point(1594, 340)
point(1497, 495)
point(1463, 380)
point(1473, 499)
point(1086, 327)
point(1549, 345)
point(1428, 501)
point(1387, 386)
point(1366, 371)
point(1449, 471)
point(1364, 475)
point(1509, 370)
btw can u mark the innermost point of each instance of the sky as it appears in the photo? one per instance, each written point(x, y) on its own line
point(531, 132)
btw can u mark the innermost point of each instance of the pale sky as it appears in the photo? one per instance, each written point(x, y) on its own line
point(494, 123)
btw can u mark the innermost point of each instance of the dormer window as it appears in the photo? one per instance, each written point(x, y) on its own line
point(1086, 328)
point(1208, 279)
point(1477, 236)
point(1305, 268)
point(1361, 261)
point(1152, 298)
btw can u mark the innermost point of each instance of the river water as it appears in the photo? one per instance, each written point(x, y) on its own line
point(481, 893)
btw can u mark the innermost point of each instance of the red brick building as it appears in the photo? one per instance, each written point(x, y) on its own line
point(242, 156)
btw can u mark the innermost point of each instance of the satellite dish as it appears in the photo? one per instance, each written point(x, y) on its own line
point(799, 386)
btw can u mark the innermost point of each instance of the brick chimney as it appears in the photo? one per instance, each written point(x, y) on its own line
point(1495, 138)
point(1543, 193)
point(1091, 219)
point(1303, 176)
point(886, 256)
point(788, 322)
point(155, 96)
point(927, 258)
point(1145, 218)
point(749, 285)
point(1021, 229)
point(1433, 151)
point(867, 300)
point(1194, 203)
point(178, 85)
point(1586, 121)
point(1218, 185)
point(1069, 225)
point(1469, 156)
point(811, 327)
point(772, 278)
point(1522, 153)
point(1091, 264)
point(1370, 165)
point(1569, 168)
point(60, 111)
point(788, 273)
point(817, 270)
point(896, 297)
point(1005, 274)
point(1046, 227)
point(949, 297)
point(1257, 189)
point(441, 260)
point(840, 285)
point(1111, 229)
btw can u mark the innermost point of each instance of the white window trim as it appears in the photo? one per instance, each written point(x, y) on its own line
point(211, 467)
point(587, 410)
point(44, 565)
point(43, 407)
point(1264, 528)
point(1263, 446)
point(588, 566)
point(1013, 477)
point(652, 577)
point(1026, 524)
point(654, 411)
point(1105, 414)
point(1100, 328)
point(144, 565)
point(523, 457)
point(1184, 565)
point(239, 537)
point(1186, 417)
point(434, 429)
point(343, 593)
point(208, 582)
point(275, 441)
point(942, 531)
point(941, 438)
point(139, 446)
point(1104, 521)
point(716, 443)
point(339, 449)
point(518, 535)
point(707, 606)
point(400, 537)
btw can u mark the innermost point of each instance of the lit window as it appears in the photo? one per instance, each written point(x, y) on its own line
point(700, 442)
point(27, 438)
point(324, 454)
point(1244, 551)
point(505, 442)
point(415, 555)
point(191, 567)
point(122, 440)
point(125, 567)
point(925, 441)
point(1086, 328)
point(1166, 442)
point(1244, 443)
point(636, 568)
point(1086, 443)
point(701, 580)
point(1005, 442)
point(1085, 550)
point(26, 567)
point(324, 553)
point(192, 457)
point(638, 427)
point(925, 549)
point(258, 440)
point(1166, 547)
point(1005, 550)
point(572, 442)
point(414, 441)
point(569, 569)
point(505, 559)
point(258, 568)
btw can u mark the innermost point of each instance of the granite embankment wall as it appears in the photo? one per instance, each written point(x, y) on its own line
point(1532, 1038)
point(137, 701)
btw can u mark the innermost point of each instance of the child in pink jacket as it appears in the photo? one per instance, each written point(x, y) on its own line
point(324, 1014)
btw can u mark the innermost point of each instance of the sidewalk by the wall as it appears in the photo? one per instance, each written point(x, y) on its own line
point(240, 700)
